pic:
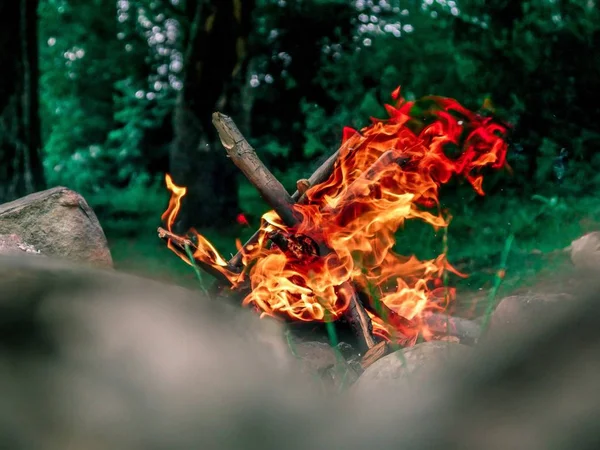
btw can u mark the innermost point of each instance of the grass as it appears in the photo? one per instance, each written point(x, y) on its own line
point(476, 242)
point(500, 274)
point(503, 247)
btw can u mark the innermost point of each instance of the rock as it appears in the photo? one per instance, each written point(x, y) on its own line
point(395, 368)
point(11, 244)
point(58, 222)
point(585, 252)
point(454, 329)
point(96, 360)
point(100, 354)
point(535, 389)
point(518, 311)
point(319, 358)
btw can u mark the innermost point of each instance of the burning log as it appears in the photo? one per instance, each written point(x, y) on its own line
point(179, 244)
point(319, 176)
point(374, 353)
point(357, 188)
point(340, 234)
point(273, 192)
point(465, 330)
point(357, 317)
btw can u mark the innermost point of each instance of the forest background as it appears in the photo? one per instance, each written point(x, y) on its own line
point(107, 97)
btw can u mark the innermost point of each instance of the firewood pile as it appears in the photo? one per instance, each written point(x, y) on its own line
point(325, 253)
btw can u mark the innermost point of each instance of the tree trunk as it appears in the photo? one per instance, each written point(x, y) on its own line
point(21, 169)
point(213, 78)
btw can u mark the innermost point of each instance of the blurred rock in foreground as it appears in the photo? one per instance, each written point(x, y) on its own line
point(92, 359)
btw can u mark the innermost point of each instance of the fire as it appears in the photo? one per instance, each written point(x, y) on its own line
point(387, 173)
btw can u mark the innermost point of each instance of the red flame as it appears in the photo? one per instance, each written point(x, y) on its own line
point(386, 174)
point(241, 219)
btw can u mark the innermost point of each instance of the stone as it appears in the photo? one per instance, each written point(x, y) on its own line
point(92, 350)
point(518, 311)
point(59, 223)
point(93, 359)
point(322, 360)
point(455, 329)
point(394, 369)
point(534, 389)
point(11, 244)
point(585, 252)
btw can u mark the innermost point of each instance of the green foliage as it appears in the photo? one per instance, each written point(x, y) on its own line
point(132, 211)
point(102, 91)
point(111, 71)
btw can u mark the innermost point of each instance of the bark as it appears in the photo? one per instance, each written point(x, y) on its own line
point(245, 158)
point(213, 80)
point(21, 169)
point(319, 176)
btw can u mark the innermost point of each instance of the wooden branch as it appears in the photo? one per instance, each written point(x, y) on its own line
point(374, 353)
point(302, 185)
point(358, 318)
point(319, 176)
point(466, 331)
point(245, 158)
point(179, 243)
point(401, 324)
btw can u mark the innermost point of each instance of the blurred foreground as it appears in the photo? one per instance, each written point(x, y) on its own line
point(98, 360)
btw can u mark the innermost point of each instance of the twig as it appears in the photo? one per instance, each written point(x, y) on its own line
point(357, 317)
point(319, 176)
point(245, 158)
point(179, 244)
point(374, 354)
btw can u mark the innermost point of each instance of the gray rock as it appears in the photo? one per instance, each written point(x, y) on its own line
point(58, 222)
point(322, 360)
point(466, 331)
point(397, 367)
point(117, 361)
point(95, 360)
point(585, 252)
point(518, 311)
point(536, 388)
point(11, 244)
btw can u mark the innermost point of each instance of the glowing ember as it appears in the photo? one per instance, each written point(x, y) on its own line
point(387, 173)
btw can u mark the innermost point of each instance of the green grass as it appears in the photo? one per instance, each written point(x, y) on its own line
point(146, 255)
point(475, 242)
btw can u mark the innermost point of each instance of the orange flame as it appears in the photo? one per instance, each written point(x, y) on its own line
point(178, 192)
point(387, 173)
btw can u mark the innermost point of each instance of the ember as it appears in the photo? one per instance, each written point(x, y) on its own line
point(326, 252)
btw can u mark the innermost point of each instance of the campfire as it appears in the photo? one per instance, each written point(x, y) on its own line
point(326, 253)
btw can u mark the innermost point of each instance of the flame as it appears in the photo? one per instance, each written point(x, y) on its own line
point(242, 220)
point(177, 192)
point(387, 173)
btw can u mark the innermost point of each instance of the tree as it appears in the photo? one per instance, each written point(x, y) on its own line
point(21, 169)
point(214, 66)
